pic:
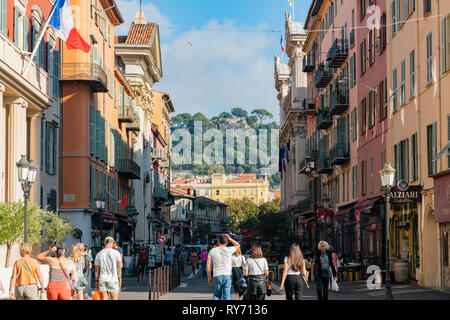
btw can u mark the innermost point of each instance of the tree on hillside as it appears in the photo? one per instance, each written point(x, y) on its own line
point(181, 120)
point(239, 113)
point(215, 168)
point(262, 114)
point(243, 213)
point(252, 121)
point(225, 115)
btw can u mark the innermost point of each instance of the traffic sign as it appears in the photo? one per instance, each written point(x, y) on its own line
point(162, 238)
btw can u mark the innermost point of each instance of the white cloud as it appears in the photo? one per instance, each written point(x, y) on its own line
point(220, 70)
point(129, 9)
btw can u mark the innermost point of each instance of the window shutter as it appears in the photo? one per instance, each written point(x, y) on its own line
point(97, 133)
point(56, 73)
point(397, 162)
point(104, 185)
point(55, 148)
point(341, 132)
point(42, 142)
point(53, 206)
point(48, 58)
point(47, 147)
point(443, 45)
point(103, 139)
point(91, 130)
point(113, 196)
point(448, 132)
point(4, 15)
point(25, 34)
point(41, 53)
point(433, 146)
point(407, 160)
point(16, 26)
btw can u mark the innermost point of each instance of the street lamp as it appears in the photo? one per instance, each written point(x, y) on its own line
point(100, 203)
point(27, 175)
point(387, 181)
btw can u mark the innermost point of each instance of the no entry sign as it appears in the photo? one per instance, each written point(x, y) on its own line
point(162, 238)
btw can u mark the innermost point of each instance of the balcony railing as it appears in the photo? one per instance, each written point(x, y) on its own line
point(134, 124)
point(308, 107)
point(338, 52)
point(323, 165)
point(129, 168)
point(305, 206)
point(324, 120)
point(308, 63)
point(311, 148)
point(339, 154)
point(323, 76)
point(161, 191)
point(339, 101)
point(126, 113)
point(90, 73)
point(352, 38)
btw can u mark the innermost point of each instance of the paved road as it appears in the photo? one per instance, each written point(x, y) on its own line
point(199, 289)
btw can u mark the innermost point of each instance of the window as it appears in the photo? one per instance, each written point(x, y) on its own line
point(445, 43)
point(363, 178)
point(362, 9)
point(217, 192)
point(401, 158)
point(403, 83)
point(429, 59)
point(371, 175)
point(394, 88)
point(383, 159)
point(426, 7)
point(394, 18)
point(362, 55)
point(371, 109)
point(353, 125)
point(362, 115)
point(4, 15)
point(371, 54)
point(431, 147)
point(414, 158)
point(448, 133)
point(412, 74)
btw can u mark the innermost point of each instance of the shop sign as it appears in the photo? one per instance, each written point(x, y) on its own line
point(442, 198)
point(404, 193)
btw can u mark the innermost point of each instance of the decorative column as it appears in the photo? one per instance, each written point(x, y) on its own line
point(3, 142)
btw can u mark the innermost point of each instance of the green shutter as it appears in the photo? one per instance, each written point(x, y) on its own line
point(4, 15)
point(41, 54)
point(397, 164)
point(42, 143)
point(25, 34)
point(90, 184)
point(55, 148)
point(448, 133)
point(407, 160)
point(443, 45)
point(97, 134)
point(56, 73)
point(341, 136)
point(48, 55)
point(103, 137)
point(113, 196)
point(433, 146)
point(16, 26)
point(108, 143)
point(47, 147)
point(104, 185)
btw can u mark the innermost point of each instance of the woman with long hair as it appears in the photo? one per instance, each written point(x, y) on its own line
point(76, 255)
point(237, 263)
point(61, 275)
point(323, 270)
point(257, 271)
point(294, 273)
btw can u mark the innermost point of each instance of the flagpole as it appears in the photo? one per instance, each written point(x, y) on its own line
point(39, 40)
point(293, 10)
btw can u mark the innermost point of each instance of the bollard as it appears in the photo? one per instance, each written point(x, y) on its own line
point(158, 283)
point(150, 285)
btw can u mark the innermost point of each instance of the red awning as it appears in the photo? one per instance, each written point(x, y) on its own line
point(366, 205)
point(249, 233)
point(344, 211)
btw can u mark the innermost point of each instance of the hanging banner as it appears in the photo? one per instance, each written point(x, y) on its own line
point(404, 193)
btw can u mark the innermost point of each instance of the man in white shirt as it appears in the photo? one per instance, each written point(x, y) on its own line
point(220, 257)
point(107, 262)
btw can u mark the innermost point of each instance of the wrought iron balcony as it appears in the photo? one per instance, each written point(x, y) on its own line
point(305, 206)
point(308, 64)
point(126, 113)
point(304, 165)
point(338, 53)
point(339, 101)
point(161, 192)
point(352, 38)
point(90, 73)
point(129, 168)
point(308, 107)
point(323, 76)
point(339, 154)
point(311, 148)
point(323, 165)
point(324, 120)
point(134, 124)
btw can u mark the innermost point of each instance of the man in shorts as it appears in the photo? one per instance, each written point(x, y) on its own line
point(107, 262)
point(119, 271)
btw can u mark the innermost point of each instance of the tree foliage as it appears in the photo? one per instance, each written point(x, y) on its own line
point(55, 227)
point(262, 114)
point(243, 212)
point(239, 112)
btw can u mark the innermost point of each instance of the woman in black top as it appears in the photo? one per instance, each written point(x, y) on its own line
point(322, 270)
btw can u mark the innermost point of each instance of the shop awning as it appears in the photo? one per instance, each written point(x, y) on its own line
point(367, 205)
point(126, 220)
point(249, 233)
point(109, 218)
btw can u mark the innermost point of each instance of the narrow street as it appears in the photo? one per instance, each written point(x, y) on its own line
point(199, 289)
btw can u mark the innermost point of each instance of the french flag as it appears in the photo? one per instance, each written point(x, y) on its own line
point(62, 21)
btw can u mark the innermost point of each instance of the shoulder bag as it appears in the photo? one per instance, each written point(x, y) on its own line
point(72, 290)
point(41, 295)
point(268, 285)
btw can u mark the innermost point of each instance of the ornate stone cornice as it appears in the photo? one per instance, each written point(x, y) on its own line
point(143, 98)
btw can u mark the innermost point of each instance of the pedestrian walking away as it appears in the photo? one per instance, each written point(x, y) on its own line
point(169, 257)
point(62, 274)
point(257, 270)
point(238, 263)
point(194, 261)
point(24, 279)
point(76, 255)
point(107, 262)
point(87, 271)
point(323, 270)
point(204, 259)
point(294, 274)
point(220, 258)
point(119, 271)
point(143, 260)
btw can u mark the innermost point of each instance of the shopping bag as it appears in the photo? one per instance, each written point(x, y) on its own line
point(334, 285)
point(97, 295)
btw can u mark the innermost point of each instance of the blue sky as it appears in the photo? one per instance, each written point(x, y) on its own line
point(213, 71)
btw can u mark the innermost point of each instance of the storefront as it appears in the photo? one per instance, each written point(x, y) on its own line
point(325, 226)
point(306, 233)
point(442, 215)
point(103, 225)
point(346, 228)
point(404, 200)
